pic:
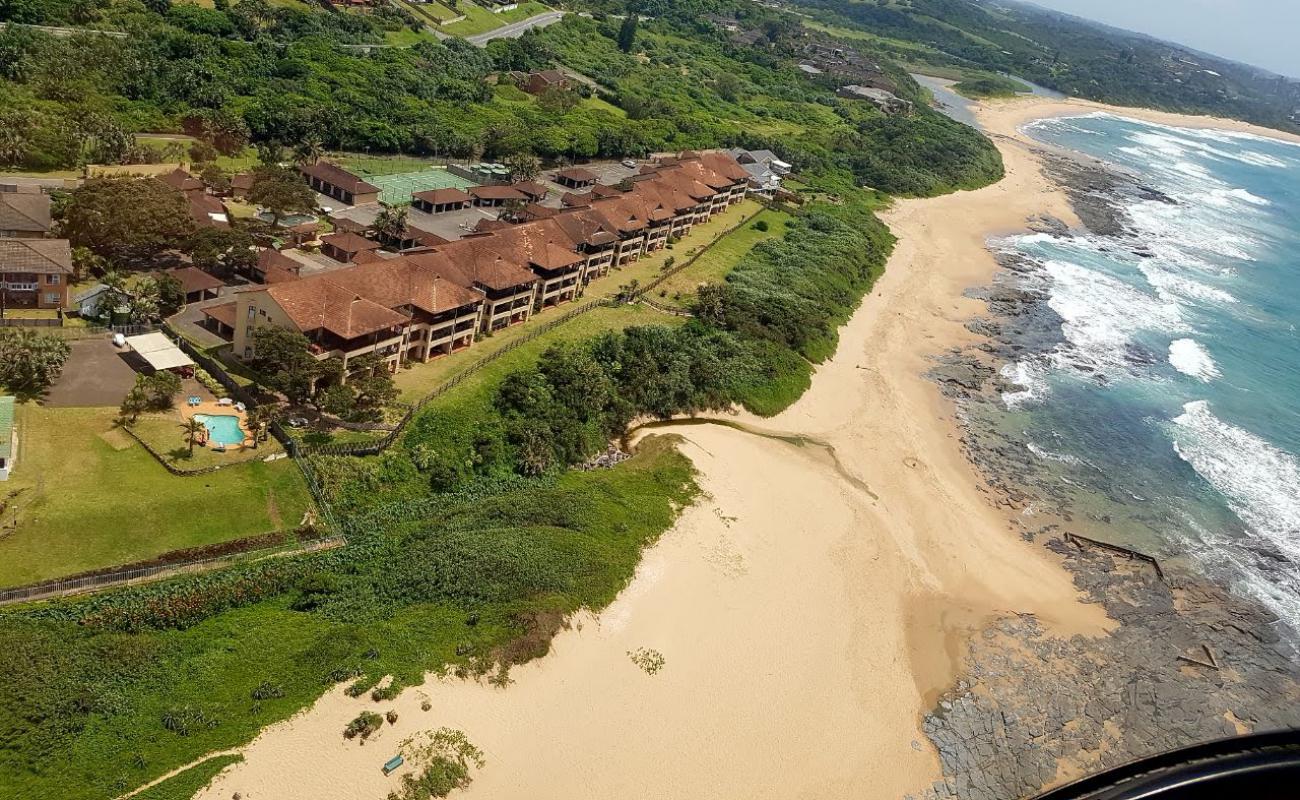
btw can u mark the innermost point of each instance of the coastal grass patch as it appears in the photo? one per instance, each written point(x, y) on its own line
point(185, 785)
point(715, 263)
point(83, 501)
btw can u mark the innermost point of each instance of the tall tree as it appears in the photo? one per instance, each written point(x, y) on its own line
point(126, 219)
point(281, 190)
point(627, 32)
point(30, 361)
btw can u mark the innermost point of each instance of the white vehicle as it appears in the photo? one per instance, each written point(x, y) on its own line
point(119, 340)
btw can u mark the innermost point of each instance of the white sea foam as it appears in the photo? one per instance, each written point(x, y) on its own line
point(1048, 455)
point(1189, 357)
point(1030, 377)
point(1174, 287)
point(1260, 482)
point(1102, 314)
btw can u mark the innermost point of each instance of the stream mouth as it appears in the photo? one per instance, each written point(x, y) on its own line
point(822, 450)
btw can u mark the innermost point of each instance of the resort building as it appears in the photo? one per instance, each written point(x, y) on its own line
point(398, 310)
point(433, 299)
point(24, 215)
point(35, 273)
point(336, 182)
point(496, 196)
point(439, 201)
point(8, 439)
point(576, 178)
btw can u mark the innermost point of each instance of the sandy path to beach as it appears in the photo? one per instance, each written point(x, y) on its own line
point(808, 614)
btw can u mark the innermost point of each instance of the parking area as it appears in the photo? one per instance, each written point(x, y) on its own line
point(96, 374)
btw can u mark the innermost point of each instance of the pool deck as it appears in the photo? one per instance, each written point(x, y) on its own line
point(215, 409)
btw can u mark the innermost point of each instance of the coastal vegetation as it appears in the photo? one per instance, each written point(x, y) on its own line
point(980, 87)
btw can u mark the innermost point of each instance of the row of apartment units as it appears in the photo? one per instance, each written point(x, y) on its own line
point(433, 300)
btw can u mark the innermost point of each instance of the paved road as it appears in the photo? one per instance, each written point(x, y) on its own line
point(65, 32)
point(516, 29)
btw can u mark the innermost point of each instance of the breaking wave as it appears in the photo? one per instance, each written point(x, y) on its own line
point(1190, 358)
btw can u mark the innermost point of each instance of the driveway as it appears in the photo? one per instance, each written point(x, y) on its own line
point(96, 374)
point(516, 29)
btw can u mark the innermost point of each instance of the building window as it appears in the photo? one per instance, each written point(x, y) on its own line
point(52, 297)
point(252, 312)
point(52, 280)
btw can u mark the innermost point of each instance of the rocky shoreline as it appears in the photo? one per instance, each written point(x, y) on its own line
point(1188, 661)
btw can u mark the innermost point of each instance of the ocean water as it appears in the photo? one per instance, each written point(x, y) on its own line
point(1166, 401)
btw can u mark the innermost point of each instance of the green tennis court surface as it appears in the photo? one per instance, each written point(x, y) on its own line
point(398, 188)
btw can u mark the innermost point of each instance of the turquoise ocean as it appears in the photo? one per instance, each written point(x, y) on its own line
point(1166, 399)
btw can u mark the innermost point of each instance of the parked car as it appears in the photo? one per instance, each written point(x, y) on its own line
point(297, 422)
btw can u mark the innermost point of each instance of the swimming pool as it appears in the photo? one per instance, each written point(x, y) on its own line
point(222, 428)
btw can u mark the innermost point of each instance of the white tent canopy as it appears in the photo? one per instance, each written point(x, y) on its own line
point(159, 351)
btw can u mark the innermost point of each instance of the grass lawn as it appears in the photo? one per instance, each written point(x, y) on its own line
point(407, 37)
point(368, 165)
point(420, 379)
point(480, 20)
point(718, 260)
point(164, 434)
point(429, 12)
point(31, 313)
point(91, 497)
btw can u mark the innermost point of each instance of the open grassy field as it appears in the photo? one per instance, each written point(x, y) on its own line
point(90, 497)
point(480, 20)
point(714, 264)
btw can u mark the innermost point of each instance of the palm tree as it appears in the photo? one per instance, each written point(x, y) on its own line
point(260, 419)
point(309, 151)
point(194, 432)
point(175, 150)
point(390, 223)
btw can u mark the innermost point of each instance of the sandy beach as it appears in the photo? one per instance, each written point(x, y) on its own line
point(809, 611)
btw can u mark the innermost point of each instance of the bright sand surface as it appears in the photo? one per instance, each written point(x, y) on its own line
point(809, 611)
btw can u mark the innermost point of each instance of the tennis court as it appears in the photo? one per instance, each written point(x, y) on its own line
point(398, 188)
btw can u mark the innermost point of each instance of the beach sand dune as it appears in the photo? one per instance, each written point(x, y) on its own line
point(808, 612)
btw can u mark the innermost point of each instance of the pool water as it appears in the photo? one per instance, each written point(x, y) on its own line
point(222, 428)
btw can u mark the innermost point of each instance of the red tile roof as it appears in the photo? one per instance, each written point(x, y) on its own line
point(348, 242)
point(577, 175)
point(193, 279)
point(439, 197)
point(224, 313)
point(497, 193)
point(337, 176)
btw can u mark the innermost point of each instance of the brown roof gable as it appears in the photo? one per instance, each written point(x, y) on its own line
point(348, 242)
point(320, 302)
point(25, 212)
point(497, 193)
point(577, 175)
point(193, 279)
point(439, 197)
point(45, 256)
point(182, 181)
point(337, 176)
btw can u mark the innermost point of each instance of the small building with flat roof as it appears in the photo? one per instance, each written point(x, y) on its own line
point(160, 353)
